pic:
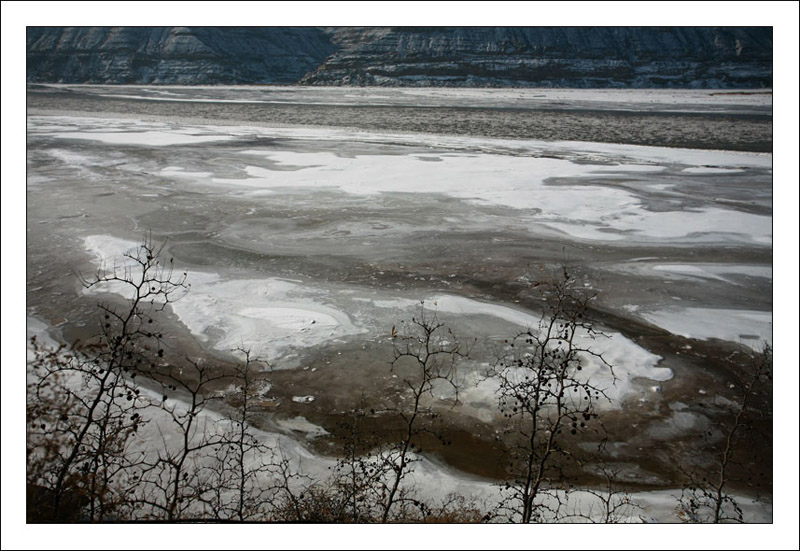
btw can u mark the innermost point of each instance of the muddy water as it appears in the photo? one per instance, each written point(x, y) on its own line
point(358, 250)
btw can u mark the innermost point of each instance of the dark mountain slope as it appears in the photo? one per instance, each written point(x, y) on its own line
point(174, 55)
point(685, 57)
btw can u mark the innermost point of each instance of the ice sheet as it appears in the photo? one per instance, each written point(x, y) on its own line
point(588, 151)
point(727, 273)
point(711, 170)
point(268, 316)
point(285, 308)
point(585, 211)
point(462, 306)
point(147, 138)
point(746, 327)
point(715, 271)
point(629, 361)
point(272, 316)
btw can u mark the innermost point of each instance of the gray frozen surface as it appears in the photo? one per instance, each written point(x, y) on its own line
point(310, 243)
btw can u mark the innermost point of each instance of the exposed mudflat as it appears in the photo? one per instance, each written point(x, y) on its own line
point(308, 244)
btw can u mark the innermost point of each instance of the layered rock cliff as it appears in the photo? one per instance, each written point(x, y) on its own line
point(680, 57)
point(174, 55)
point(550, 57)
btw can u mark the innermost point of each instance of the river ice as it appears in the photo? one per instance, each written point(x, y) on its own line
point(307, 245)
point(577, 192)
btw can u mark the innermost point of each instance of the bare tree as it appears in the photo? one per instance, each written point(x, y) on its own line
point(359, 476)
point(608, 504)
point(315, 502)
point(82, 404)
point(707, 497)
point(544, 398)
point(175, 483)
point(425, 355)
point(244, 466)
point(454, 509)
point(70, 481)
point(359, 485)
point(368, 483)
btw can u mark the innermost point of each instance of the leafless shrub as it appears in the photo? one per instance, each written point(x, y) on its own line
point(425, 354)
point(82, 405)
point(545, 398)
point(706, 496)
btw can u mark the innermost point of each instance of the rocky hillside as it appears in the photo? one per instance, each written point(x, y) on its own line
point(175, 55)
point(550, 57)
point(684, 57)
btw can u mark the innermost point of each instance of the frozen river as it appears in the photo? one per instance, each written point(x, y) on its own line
point(307, 241)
